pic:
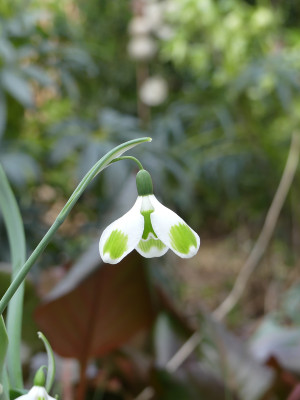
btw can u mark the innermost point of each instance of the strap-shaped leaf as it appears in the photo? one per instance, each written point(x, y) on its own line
point(15, 231)
point(3, 350)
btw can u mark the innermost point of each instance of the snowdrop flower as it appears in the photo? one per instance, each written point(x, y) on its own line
point(36, 393)
point(148, 227)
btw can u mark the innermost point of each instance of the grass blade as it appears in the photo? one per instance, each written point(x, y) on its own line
point(3, 350)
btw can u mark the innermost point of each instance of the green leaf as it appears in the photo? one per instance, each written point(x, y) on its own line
point(15, 393)
point(29, 327)
point(51, 362)
point(15, 231)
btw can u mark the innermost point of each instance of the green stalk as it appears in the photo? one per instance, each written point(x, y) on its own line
point(5, 383)
point(15, 231)
point(3, 350)
point(51, 362)
point(98, 167)
point(129, 158)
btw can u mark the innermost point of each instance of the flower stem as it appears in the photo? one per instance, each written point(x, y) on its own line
point(98, 167)
point(128, 158)
point(19, 278)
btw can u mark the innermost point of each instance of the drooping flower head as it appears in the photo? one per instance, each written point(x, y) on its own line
point(38, 391)
point(148, 227)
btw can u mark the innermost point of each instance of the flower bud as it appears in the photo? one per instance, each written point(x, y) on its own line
point(144, 183)
point(39, 379)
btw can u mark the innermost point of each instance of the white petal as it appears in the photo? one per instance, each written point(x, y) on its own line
point(173, 231)
point(122, 236)
point(36, 393)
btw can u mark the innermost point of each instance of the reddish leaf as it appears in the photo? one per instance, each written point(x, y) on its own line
point(100, 314)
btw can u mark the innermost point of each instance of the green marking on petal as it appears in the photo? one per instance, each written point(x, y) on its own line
point(147, 224)
point(116, 244)
point(146, 245)
point(182, 238)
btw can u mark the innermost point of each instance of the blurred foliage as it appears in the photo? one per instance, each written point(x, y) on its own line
point(239, 64)
point(68, 93)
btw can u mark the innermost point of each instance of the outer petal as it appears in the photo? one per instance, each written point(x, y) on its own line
point(122, 236)
point(173, 231)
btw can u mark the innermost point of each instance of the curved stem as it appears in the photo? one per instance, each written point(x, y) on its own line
point(51, 369)
point(128, 158)
point(98, 167)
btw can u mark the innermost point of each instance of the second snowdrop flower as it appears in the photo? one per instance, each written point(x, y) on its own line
point(38, 391)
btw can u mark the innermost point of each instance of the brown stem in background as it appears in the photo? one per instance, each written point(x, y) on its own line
point(266, 233)
point(295, 222)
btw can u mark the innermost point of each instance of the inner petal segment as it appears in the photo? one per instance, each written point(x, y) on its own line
point(150, 246)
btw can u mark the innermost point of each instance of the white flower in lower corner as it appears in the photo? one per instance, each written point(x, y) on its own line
point(36, 393)
point(149, 227)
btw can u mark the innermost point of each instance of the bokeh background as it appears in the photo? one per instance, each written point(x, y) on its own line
point(216, 84)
